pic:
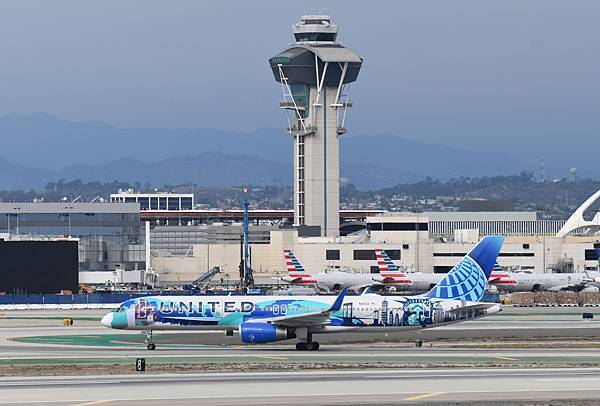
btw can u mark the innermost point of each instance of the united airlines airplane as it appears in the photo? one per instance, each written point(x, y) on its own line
point(264, 319)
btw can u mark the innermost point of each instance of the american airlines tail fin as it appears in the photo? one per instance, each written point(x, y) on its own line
point(384, 262)
point(469, 278)
point(294, 266)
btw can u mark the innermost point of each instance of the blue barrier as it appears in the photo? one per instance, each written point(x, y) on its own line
point(6, 299)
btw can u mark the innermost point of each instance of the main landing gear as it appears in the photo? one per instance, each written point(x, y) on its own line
point(308, 345)
point(149, 344)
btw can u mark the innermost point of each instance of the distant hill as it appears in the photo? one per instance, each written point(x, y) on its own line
point(214, 169)
point(13, 176)
point(437, 161)
point(98, 151)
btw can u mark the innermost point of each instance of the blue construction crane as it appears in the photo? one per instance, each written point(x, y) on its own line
point(247, 271)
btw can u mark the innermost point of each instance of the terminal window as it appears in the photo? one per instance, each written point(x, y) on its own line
point(364, 255)
point(397, 226)
point(393, 254)
point(186, 203)
point(173, 203)
point(332, 255)
point(591, 255)
point(144, 203)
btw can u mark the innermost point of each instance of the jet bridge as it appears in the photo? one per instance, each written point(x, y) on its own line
point(202, 281)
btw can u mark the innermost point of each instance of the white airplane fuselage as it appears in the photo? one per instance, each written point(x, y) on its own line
point(333, 280)
point(531, 282)
point(365, 312)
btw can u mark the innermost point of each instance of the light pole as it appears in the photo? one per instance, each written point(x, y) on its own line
point(544, 210)
point(418, 228)
point(68, 208)
point(17, 215)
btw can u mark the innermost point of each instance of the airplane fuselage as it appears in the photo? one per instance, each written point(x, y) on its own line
point(369, 312)
point(333, 280)
point(530, 282)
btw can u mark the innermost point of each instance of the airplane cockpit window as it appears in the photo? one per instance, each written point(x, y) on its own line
point(120, 309)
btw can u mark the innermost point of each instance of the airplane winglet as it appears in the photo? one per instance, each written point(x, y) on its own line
point(337, 305)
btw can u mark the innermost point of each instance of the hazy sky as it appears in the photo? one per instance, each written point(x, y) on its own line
point(465, 72)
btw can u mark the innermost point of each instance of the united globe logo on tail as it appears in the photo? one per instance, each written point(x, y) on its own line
point(468, 279)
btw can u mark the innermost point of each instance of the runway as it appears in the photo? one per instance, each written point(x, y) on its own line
point(518, 354)
point(38, 337)
point(301, 388)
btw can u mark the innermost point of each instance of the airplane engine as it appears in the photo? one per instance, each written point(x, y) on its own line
point(258, 333)
point(592, 289)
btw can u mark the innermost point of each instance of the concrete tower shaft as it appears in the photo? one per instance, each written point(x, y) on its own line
point(315, 75)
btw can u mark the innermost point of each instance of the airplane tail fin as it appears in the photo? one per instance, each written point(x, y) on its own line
point(384, 262)
point(469, 278)
point(294, 266)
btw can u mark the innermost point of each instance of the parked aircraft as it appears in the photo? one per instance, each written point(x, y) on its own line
point(330, 280)
point(268, 319)
point(554, 282)
point(415, 281)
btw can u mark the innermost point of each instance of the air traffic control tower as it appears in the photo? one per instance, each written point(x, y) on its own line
point(315, 75)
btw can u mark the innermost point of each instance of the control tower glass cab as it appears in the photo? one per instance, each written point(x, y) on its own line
point(315, 75)
point(315, 28)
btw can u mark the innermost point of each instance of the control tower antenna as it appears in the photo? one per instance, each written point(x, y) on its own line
point(315, 75)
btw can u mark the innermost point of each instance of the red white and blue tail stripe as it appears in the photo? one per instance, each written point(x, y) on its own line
point(296, 272)
point(388, 270)
point(384, 262)
point(293, 265)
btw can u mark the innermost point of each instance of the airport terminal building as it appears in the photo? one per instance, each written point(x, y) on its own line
point(110, 235)
point(418, 242)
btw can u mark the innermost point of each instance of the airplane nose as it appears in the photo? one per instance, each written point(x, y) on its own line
point(107, 320)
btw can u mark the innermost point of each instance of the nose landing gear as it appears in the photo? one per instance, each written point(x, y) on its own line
point(149, 344)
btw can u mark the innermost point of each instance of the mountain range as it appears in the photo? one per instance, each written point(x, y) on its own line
point(39, 148)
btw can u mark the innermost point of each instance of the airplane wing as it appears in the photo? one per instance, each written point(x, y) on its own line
point(309, 319)
point(392, 279)
point(400, 279)
point(287, 279)
point(573, 287)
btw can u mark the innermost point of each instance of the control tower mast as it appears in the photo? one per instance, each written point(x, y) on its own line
point(315, 75)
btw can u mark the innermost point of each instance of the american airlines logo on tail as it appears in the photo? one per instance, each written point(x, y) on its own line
point(384, 262)
point(293, 265)
point(500, 277)
point(296, 272)
point(388, 270)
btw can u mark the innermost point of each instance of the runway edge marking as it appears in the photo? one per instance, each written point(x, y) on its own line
point(425, 395)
